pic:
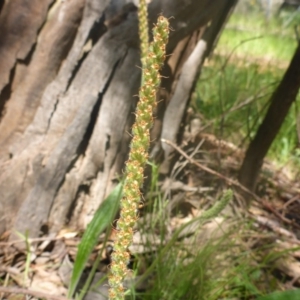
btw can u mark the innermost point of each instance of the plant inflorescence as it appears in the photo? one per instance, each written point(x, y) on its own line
point(152, 59)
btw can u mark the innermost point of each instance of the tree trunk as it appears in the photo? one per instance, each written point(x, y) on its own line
point(69, 73)
point(281, 101)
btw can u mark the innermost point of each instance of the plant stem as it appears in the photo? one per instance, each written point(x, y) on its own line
point(138, 156)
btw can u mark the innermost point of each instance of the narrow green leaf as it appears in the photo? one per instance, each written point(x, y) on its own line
point(285, 295)
point(102, 218)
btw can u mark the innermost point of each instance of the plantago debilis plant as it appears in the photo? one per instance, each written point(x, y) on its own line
point(152, 59)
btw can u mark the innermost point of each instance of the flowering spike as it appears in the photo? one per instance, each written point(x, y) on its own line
point(143, 28)
point(152, 59)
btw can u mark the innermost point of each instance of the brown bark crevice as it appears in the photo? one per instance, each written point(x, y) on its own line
point(19, 22)
point(103, 147)
point(55, 40)
point(65, 141)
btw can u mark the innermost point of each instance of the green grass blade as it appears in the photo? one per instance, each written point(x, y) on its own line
point(285, 295)
point(102, 218)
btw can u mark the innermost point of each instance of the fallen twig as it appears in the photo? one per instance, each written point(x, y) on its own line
point(208, 170)
point(16, 290)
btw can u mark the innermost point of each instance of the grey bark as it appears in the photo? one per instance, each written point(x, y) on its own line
point(67, 105)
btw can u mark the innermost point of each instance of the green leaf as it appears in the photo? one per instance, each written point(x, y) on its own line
point(286, 295)
point(102, 219)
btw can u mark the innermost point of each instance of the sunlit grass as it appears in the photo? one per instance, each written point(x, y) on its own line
point(234, 96)
point(255, 36)
point(258, 44)
point(235, 86)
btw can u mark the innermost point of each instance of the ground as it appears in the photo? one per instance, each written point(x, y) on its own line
point(205, 167)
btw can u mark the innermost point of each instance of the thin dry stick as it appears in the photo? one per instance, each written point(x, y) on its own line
point(208, 170)
point(33, 240)
point(13, 290)
point(260, 219)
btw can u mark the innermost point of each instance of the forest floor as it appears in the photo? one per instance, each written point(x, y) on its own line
point(267, 233)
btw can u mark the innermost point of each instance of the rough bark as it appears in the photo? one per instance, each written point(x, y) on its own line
point(68, 83)
point(20, 22)
point(280, 103)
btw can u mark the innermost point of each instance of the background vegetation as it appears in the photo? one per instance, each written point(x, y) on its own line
point(237, 82)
